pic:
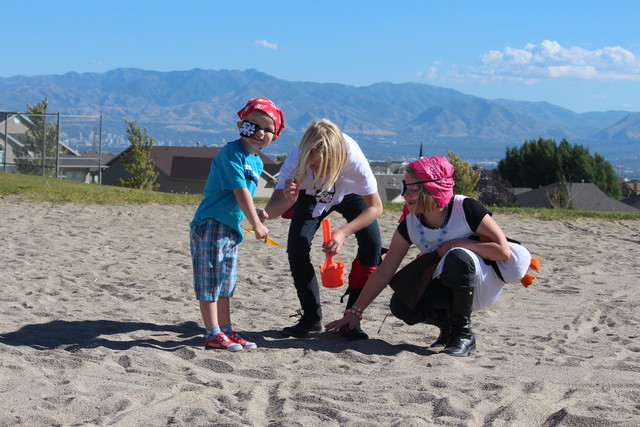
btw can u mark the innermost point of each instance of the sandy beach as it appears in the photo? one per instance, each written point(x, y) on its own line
point(99, 326)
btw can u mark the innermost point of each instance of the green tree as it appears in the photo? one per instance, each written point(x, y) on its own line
point(465, 176)
point(605, 177)
point(38, 154)
point(543, 162)
point(137, 160)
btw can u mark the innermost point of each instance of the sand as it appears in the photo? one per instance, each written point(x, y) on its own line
point(99, 325)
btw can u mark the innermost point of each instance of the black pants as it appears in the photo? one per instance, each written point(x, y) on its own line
point(458, 272)
point(301, 233)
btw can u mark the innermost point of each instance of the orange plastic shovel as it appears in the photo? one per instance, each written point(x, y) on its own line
point(331, 272)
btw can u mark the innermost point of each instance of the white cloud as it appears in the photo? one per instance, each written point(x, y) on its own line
point(550, 60)
point(431, 72)
point(266, 44)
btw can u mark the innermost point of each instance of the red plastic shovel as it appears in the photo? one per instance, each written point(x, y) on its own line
point(331, 272)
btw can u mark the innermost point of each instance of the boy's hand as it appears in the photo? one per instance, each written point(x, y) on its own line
point(261, 231)
point(291, 190)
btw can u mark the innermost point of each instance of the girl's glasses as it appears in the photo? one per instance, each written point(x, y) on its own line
point(404, 184)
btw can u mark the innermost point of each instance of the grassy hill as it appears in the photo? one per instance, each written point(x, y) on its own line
point(37, 188)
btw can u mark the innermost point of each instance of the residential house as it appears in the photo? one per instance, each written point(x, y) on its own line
point(185, 169)
point(390, 187)
point(630, 188)
point(582, 196)
point(82, 166)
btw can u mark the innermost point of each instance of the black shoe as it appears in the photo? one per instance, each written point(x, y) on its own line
point(355, 334)
point(302, 328)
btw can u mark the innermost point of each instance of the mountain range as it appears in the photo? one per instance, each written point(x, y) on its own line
point(389, 120)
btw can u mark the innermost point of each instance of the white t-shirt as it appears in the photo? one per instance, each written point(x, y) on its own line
point(355, 177)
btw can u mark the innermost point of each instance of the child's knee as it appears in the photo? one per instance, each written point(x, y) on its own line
point(458, 269)
point(400, 310)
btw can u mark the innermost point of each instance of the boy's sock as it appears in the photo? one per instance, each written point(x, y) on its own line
point(212, 331)
point(227, 329)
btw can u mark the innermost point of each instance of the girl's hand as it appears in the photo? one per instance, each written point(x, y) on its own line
point(291, 190)
point(444, 247)
point(262, 215)
point(348, 320)
point(333, 246)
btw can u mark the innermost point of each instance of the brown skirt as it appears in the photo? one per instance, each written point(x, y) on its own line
point(412, 280)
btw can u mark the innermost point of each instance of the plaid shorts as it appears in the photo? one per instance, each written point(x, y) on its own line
point(214, 255)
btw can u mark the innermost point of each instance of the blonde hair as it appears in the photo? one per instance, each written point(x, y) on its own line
point(324, 137)
point(425, 201)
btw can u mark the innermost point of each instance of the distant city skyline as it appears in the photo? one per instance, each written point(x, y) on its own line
point(580, 55)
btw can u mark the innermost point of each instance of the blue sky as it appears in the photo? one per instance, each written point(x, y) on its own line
point(581, 55)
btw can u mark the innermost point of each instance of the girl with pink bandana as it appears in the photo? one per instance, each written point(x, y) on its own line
point(465, 259)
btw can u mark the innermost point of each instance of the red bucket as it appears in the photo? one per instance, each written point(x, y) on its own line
point(332, 273)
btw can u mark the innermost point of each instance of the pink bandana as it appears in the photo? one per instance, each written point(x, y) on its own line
point(267, 106)
point(439, 173)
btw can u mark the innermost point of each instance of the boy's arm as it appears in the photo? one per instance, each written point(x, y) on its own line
point(245, 201)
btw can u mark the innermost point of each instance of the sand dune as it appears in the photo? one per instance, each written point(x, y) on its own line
point(99, 325)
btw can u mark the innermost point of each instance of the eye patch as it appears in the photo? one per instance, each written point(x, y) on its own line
point(248, 128)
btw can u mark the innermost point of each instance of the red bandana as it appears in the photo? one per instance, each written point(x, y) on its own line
point(267, 106)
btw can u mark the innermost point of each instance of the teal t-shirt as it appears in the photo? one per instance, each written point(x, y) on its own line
point(232, 168)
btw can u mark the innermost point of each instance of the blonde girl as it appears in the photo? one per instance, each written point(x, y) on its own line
point(327, 173)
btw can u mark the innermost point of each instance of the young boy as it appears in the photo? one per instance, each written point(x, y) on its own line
point(215, 229)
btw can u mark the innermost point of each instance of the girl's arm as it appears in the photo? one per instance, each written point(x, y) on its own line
point(281, 200)
point(366, 217)
point(377, 281)
point(496, 249)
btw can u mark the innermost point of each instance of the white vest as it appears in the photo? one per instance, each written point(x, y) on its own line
point(429, 239)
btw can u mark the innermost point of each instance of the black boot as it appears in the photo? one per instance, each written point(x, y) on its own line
point(440, 318)
point(443, 337)
point(462, 341)
point(310, 315)
point(356, 333)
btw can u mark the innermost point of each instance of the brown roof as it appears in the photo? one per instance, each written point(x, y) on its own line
point(194, 163)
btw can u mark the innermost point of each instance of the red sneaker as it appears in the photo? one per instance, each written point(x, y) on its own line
point(221, 342)
point(235, 337)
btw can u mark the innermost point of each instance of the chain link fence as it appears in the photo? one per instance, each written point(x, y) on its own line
point(52, 145)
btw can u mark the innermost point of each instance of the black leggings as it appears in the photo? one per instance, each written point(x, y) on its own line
point(301, 232)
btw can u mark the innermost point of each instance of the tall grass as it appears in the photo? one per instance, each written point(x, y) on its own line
point(36, 188)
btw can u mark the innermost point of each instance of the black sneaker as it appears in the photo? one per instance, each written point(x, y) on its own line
point(302, 328)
